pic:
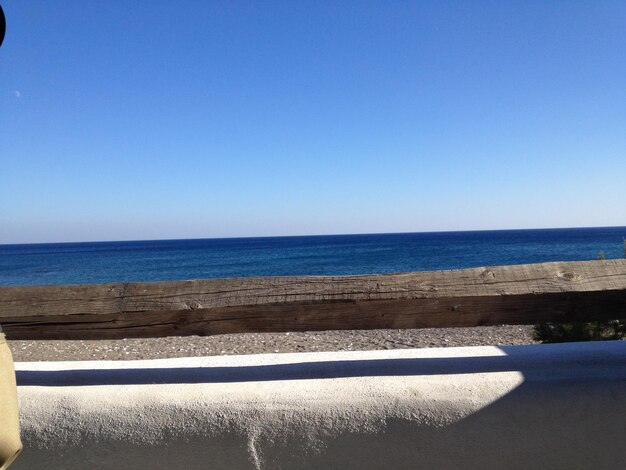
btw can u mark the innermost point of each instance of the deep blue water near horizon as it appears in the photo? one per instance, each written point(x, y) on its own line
point(164, 260)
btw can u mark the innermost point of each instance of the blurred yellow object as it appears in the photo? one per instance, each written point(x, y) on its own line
point(10, 444)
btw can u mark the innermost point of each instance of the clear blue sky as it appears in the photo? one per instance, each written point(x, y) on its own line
point(185, 119)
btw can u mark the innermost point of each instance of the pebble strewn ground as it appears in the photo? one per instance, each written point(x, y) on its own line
point(257, 343)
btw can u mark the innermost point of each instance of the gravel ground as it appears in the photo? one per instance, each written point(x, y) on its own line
point(257, 343)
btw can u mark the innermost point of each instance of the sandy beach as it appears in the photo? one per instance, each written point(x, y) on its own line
point(259, 343)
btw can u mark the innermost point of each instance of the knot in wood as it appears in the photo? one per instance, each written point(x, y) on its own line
point(488, 273)
point(568, 276)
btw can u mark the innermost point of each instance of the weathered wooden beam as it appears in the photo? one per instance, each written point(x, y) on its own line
point(519, 294)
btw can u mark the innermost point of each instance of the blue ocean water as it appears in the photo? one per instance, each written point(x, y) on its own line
point(86, 263)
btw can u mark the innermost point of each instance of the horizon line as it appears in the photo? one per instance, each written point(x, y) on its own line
point(310, 235)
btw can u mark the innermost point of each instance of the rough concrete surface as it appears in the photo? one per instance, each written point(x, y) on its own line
point(536, 406)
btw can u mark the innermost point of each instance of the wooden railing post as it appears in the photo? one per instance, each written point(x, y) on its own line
point(519, 294)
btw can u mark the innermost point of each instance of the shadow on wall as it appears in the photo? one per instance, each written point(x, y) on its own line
point(530, 361)
point(568, 412)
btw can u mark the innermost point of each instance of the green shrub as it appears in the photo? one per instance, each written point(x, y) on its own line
point(580, 331)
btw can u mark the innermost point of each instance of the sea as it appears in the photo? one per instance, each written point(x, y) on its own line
point(168, 260)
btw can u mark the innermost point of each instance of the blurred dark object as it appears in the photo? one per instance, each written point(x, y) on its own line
point(580, 331)
point(3, 25)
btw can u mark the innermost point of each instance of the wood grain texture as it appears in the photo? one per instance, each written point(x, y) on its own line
point(519, 294)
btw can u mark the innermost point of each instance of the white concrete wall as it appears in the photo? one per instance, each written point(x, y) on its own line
point(542, 406)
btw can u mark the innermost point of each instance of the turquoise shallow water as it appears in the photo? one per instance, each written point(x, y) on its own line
point(83, 263)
